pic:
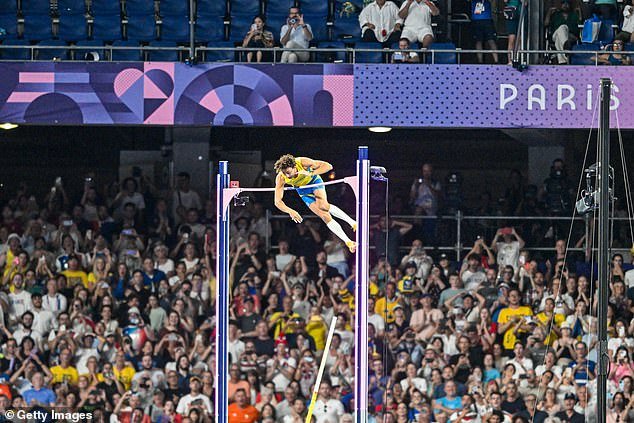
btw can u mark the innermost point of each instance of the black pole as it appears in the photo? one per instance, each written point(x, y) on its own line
point(192, 32)
point(603, 187)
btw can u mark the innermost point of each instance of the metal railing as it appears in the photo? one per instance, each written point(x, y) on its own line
point(349, 53)
point(461, 234)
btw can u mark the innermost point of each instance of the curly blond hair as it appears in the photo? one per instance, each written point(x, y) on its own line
point(284, 162)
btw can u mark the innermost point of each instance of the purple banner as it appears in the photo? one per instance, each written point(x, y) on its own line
point(309, 95)
point(176, 94)
point(487, 96)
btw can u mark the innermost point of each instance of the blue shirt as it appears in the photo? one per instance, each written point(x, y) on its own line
point(581, 376)
point(44, 396)
point(453, 404)
point(480, 10)
point(490, 374)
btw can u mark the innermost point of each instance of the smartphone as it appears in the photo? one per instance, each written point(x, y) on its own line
point(127, 232)
point(67, 223)
point(130, 252)
point(254, 27)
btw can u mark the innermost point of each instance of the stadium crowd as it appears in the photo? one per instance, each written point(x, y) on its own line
point(107, 307)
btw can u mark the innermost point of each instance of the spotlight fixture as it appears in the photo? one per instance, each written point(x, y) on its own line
point(8, 126)
point(380, 129)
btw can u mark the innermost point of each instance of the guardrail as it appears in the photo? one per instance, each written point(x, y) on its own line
point(350, 53)
point(460, 233)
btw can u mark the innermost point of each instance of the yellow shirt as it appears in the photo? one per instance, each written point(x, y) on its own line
point(506, 315)
point(557, 321)
point(68, 375)
point(124, 376)
point(76, 277)
point(318, 331)
point(283, 325)
point(299, 180)
point(380, 308)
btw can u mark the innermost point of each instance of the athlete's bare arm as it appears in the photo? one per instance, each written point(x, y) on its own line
point(279, 199)
point(317, 167)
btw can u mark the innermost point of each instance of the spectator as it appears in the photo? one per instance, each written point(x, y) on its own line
point(404, 55)
point(512, 13)
point(617, 57)
point(508, 249)
point(513, 320)
point(380, 22)
point(627, 29)
point(295, 34)
point(569, 414)
point(184, 198)
point(392, 231)
point(483, 27)
point(563, 27)
point(416, 15)
point(326, 408)
point(258, 37)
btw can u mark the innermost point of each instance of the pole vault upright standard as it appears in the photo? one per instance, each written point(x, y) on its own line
point(361, 186)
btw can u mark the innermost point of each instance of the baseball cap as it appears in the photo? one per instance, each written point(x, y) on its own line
point(411, 264)
point(443, 256)
point(570, 395)
point(194, 377)
point(13, 235)
point(133, 310)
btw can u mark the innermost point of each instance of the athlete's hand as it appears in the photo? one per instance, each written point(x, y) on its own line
point(297, 218)
point(304, 173)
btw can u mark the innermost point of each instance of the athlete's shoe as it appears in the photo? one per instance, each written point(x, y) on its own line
point(352, 246)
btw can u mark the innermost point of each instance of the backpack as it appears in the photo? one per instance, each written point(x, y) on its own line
point(591, 29)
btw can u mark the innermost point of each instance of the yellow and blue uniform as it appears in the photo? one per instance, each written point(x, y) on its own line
point(315, 182)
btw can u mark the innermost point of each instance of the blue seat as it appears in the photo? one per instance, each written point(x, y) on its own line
point(240, 25)
point(583, 59)
point(110, 7)
point(141, 27)
point(139, 7)
point(28, 7)
point(106, 27)
point(60, 53)
point(9, 22)
point(15, 53)
point(72, 27)
point(95, 46)
point(369, 56)
point(606, 33)
point(347, 28)
point(442, 58)
point(219, 55)
point(126, 55)
point(175, 7)
point(9, 7)
point(279, 6)
point(175, 28)
point(274, 23)
point(210, 7)
point(315, 7)
point(163, 55)
point(332, 57)
point(37, 27)
point(71, 7)
point(319, 26)
point(628, 47)
point(210, 28)
point(245, 7)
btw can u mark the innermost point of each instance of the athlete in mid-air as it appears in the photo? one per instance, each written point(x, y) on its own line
point(304, 172)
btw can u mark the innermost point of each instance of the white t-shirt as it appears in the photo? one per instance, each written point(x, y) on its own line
point(55, 304)
point(337, 255)
point(329, 411)
point(136, 199)
point(189, 200)
point(377, 321)
point(418, 382)
point(282, 260)
point(629, 275)
point(281, 382)
point(188, 399)
point(42, 320)
point(19, 303)
point(508, 254)
point(166, 267)
point(383, 18)
point(297, 35)
point(418, 17)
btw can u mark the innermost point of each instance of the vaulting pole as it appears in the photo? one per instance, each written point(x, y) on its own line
point(221, 402)
point(362, 287)
point(604, 246)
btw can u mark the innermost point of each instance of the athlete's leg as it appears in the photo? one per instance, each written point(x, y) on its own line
point(321, 208)
point(337, 212)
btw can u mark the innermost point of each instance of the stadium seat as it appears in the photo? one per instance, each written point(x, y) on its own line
point(139, 7)
point(15, 53)
point(71, 7)
point(442, 58)
point(9, 7)
point(52, 53)
point(106, 27)
point(95, 46)
point(9, 22)
point(240, 25)
point(319, 26)
point(274, 23)
point(245, 7)
point(175, 28)
point(110, 7)
point(331, 57)
point(176, 7)
point(280, 7)
point(368, 56)
point(126, 55)
point(162, 55)
point(315, 7)
point(583, 59)
point(606, 33)
point(37, 27)
point(347, 28)
point(72, 27)
point(37, 7)
point(209, 7)
point(210, 28)
point(218, 55)
point(141, 27)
